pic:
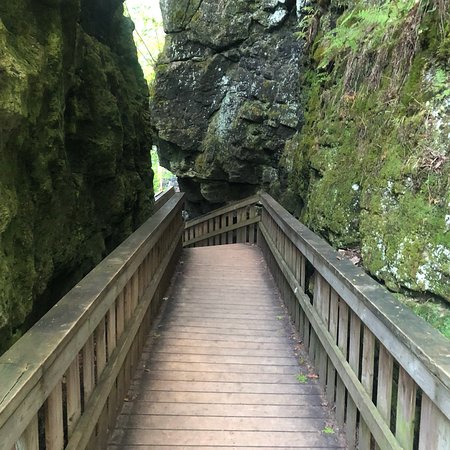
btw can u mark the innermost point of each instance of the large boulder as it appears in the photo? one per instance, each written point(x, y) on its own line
point(226, 96)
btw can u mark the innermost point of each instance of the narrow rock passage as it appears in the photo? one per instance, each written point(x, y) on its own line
point(221, 372)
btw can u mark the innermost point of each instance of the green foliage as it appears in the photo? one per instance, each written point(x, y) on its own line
point(435, 312)
point(366, 26)
point(302, 378)
point(148, 35)
point(328, 430)
point(162, 177)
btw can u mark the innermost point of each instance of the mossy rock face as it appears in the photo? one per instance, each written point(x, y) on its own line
point(227, 96)
point(371, 166)
point(75, 176)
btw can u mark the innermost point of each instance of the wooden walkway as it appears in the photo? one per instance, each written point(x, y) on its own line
point(220, 371)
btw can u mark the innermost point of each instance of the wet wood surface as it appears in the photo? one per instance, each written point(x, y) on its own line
point(220, 371)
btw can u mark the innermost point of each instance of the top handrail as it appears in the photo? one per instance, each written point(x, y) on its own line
point(162, 197)
point(223, 210)
point(419, 348)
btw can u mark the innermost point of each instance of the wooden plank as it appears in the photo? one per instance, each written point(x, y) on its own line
point(145, 384)
point(30, 438)
point(384, 384)
point(333, 328)
point(252, 233)
point(88, 369)
point(230, 234)
point(127, 303)
point(434, 427)
point(212, 423)
point(223, 225)
point(54, 433)
point(217, 227)
point(210, 223)
point(406, 409)
point(341, 392)
point(351, 417)
point(73, 392)
point(367, 374)
point(120, 314)
point(322, 305)
point(100, 344)
point(111, 330)
point(231, 398)
point(224, 438)
point(162, 198)
point(180, 410)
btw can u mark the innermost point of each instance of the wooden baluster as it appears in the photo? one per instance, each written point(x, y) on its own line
point(434, 427)
point(111, 318)
point(135, 298)
point(191, 234)
point(251, 233)
point(367, 368)
point(210, 224)
point(333, 327)
point(354, 361)
point(223, 225)
point(406, 408)
point(141, 280)
point(120, 314)
point(217, 238)
point(230, 238)
point(303, 274)
point(54, 432)
point(322, 304)
point(298, 309)
point(239, 218)
point(127, 302)
point(384, 384)
point(100, 341)
point(30, 437)
point(102, 429)
point(73, 387)
point(343, 345)
point(88, 369)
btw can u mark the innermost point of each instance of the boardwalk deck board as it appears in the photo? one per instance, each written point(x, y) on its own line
point(220, 371)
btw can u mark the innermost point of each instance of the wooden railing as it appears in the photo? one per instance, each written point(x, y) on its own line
point(161, 198)
point(63, 383)
point(235, 223)
point(385, 370)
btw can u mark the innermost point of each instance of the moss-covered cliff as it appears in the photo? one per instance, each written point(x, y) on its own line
point(74, 168)
point(371, 166)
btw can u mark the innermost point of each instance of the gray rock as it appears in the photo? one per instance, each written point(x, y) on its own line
point(226, 96)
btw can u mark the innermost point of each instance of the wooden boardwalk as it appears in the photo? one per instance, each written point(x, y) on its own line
point(220, 371)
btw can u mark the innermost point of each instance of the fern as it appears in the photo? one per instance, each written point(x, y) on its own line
point(364, 27)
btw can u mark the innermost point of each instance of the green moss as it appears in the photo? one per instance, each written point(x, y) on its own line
point(363, 163)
